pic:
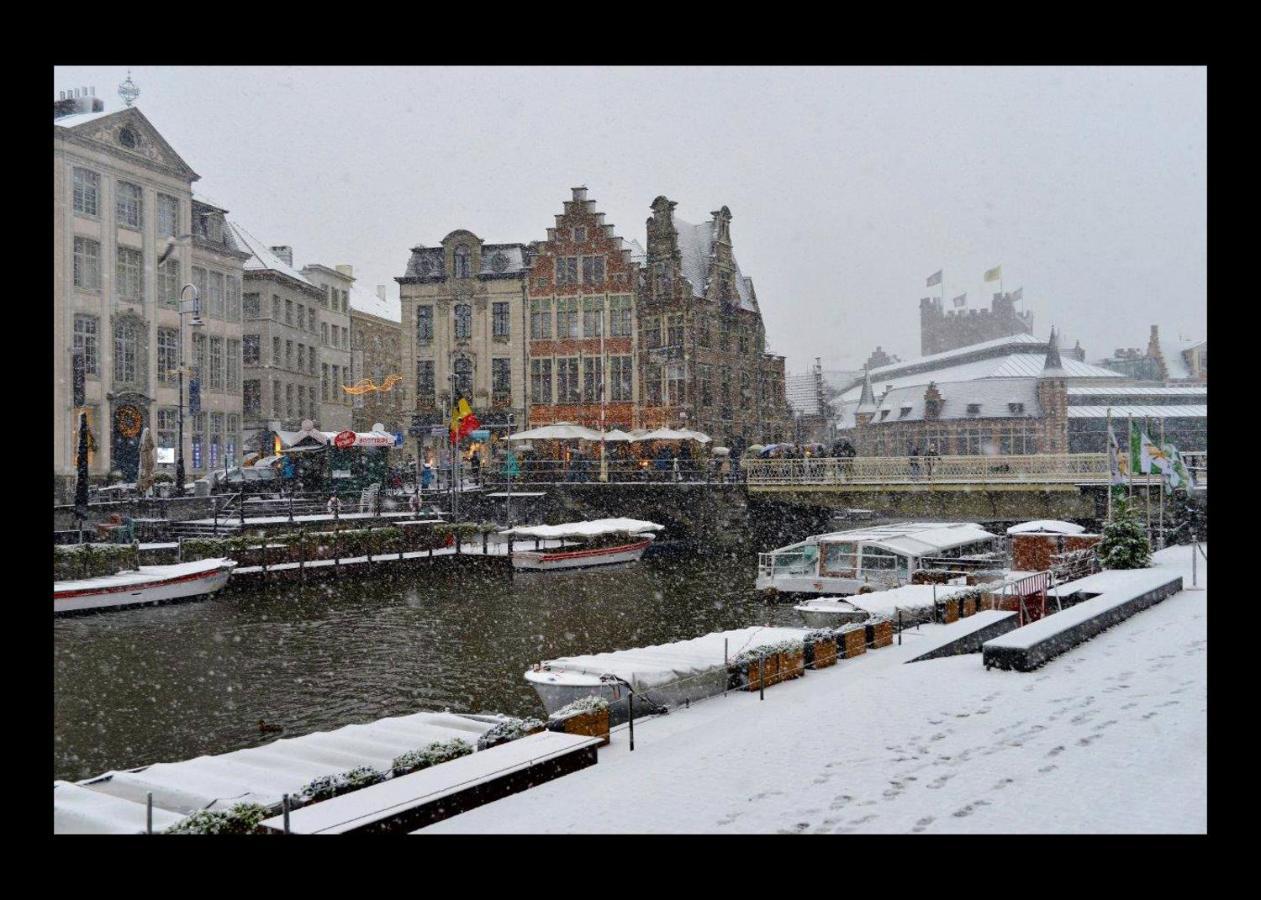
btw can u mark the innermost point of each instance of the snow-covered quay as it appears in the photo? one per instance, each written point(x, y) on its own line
point(1110, 737)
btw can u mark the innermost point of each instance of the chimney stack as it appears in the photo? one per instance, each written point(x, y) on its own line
point(76, 100)
point(284, 253)
point(348, 271)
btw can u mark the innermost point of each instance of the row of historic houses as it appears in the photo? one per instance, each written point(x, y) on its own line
point(589, 327)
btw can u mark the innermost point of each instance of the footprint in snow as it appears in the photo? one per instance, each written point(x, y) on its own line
point(940, 782)
point(1056, 751)
point(922, 824)
point(969, 809)
point(795, 829)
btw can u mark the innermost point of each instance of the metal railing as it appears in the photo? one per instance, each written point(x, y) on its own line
point(535, 471)
point(1060, 468)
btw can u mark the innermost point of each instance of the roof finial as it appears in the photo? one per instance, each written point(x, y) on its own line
point(128, 90)
point(1052, 354)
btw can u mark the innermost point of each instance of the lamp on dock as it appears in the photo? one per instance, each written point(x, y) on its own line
point(186, 307)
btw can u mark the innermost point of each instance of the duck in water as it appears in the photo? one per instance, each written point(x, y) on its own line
point(268, 728)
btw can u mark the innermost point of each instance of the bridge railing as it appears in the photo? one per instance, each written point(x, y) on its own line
point(1060, 468)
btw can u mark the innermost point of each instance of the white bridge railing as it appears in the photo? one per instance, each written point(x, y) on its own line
point(1060, 468)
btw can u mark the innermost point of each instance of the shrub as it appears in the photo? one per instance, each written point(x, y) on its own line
point(328, 786)
point(192, 549)
point(752, 654)
point(579, 706)
point(431, 755)
point(1124, 544)
point(75, 561)
point(508, 730)
point(240, 819)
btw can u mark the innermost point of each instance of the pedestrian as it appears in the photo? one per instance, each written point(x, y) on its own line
point(413, 504)
point(334, 505)
point(426, 476)
point(929, 457)
point(914, 459)
point(475, 464)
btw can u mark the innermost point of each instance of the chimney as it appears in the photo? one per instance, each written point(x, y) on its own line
point(284, 253)
point(348, 271)
point(75, 101)
point(381, 292)
point(580, 193)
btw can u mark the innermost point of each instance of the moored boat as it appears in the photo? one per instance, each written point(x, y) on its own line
point(830, 612)
point(662, 675)
point(148, 584)
point(879, 557)
point(599, 542)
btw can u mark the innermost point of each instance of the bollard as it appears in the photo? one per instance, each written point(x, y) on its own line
point(1195, 545)
point(149, 813)
point(285, 803)
point(899, 628)
point(302, 555)
point(630, 705)
point(761, 677)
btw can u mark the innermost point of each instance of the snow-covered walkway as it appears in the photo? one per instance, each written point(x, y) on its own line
point(1110, 737)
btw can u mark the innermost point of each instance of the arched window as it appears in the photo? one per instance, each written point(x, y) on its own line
point(463, 321)
point(463, 377)
point(462, 262)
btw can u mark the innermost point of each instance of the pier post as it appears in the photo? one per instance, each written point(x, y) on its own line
point(285, 804)
point(241, 500)
point(179, 550)
point(368, 544)
point(899, 628)
point(216, 525)
point(509, 546)
point(264, 547)
point(149, 813)
point(630, 706)
point(761, 676)
point(291, 508)
point(302, 554)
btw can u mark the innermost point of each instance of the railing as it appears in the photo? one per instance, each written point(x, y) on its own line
point(588, 470)
point(1063, 468)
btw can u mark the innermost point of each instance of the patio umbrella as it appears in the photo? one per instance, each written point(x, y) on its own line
point(722, 451)
point(673, 434)
point(617, 435)
point(148, 460)
point(81, 467)
point(559, 431)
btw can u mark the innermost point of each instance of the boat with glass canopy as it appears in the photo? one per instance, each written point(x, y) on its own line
point(879, 557)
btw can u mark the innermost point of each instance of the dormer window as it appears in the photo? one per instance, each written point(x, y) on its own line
point(904, 411)
point(1016, 409)
point(462, 267)
point(974, 409)
point(884, 414)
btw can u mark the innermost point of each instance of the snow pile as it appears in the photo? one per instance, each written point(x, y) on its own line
point(1111, 737)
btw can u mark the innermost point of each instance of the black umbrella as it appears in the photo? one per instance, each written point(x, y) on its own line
point(81, 483)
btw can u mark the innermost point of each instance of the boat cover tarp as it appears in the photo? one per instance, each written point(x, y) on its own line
point(146, 575)
point(908, 596)
point(1046, 526)
point(594, 528)
point(664, 663)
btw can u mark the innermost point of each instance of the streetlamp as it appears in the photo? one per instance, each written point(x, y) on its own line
point(186, 307)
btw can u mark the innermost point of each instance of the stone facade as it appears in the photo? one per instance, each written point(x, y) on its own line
point(120, 191)
point(941, 330)
point(702, 344)
point(334, 346)
point(582, 338)
point(464, 326)
point(376, 354)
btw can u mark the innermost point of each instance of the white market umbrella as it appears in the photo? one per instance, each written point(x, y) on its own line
point(722, 451)
point(673, 434)
point(617, 435)
point(559, 431)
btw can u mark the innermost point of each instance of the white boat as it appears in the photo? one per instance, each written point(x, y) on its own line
point(602, 542)
point(914, 601)
point(663, 675)
point(830, 612)
point(148, 584)
point(881, 557)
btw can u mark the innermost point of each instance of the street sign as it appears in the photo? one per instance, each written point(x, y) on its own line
point(344, 439)
point(77, 362)
point(512, 468)
point(480, 434)
point(437, 430)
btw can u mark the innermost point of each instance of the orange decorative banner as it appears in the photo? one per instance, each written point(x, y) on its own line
point(367, 385)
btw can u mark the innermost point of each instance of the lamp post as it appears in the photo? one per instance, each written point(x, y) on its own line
point(185, 307)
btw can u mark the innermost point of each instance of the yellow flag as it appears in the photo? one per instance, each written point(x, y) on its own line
point(994, 274)
point(458, 412)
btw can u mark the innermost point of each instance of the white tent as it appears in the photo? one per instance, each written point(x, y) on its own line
point(672, 434)
point(618, 435)
point(559, 431)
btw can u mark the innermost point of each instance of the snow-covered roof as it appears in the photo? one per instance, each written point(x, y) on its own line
point(638, 254)
point(1015, 365)
point(915, 538)
point(1046, 526)
point(908, 596)
point(1180, 411)
point(1127, 391)
point(262, 259)
point(997, 398)
point(368, 302)
point(82, 118)
point(696, 247)
point(802, 393)
point(593, 528)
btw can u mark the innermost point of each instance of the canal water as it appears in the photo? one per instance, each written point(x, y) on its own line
point(168, 683)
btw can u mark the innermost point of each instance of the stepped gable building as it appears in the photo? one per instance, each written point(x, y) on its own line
point(1163, 360)
point(120, 191)
point(941, 330)
point(376, 354)
point(702, 345)
point(582, 332)
point(463, 307)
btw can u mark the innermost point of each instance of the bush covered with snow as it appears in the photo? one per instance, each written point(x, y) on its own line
point(240, 819)
point(1124, 544)
point(75, 561)
point(509, 730)
point(328, 786)
point(752, 655)
point(431, 755)
point(580, 706)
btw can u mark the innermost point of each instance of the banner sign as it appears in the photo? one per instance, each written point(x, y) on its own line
point(480, 434)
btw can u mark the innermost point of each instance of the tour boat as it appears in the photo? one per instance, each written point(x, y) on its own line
point(663, 675)
point(602, 542)
point(881, 557)
point(148, 584)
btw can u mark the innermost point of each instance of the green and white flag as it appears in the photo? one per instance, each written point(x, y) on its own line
point(1179, 475)
point(1137, 460)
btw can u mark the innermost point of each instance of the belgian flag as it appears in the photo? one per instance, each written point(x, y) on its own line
point(462, 420)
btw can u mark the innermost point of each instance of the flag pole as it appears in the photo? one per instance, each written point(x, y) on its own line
point(1129, 449)
point(1147, 484)
point(1162, 486)
point(1112, 461)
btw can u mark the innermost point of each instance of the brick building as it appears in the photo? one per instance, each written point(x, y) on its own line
point(582, 338)
point(702, 344)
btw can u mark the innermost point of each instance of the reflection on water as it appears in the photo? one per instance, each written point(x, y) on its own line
point(173, 682)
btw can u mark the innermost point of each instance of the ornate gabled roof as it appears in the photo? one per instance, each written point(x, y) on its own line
point(103, 128)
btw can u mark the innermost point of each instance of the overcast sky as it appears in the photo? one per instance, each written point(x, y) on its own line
point(848, 187)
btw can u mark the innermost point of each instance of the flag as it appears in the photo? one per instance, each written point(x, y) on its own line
point(1118, 465)
point(462, 420)
point(934, 278)
point(994, 274)
point(1155, 460)
point(961, 300)
point(1180, 476)
point(1136, 450)
point(1017, 294)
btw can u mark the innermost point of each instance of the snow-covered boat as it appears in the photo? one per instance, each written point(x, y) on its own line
point(148, 584)
point(882, 556)
point(663, 675)
point(600, 542)
point(914, 601)
point(830, 612)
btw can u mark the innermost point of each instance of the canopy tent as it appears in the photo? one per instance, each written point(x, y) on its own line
point(673, 434)
point(722, 451)
point(594, 528)
point(558, 431)
point(618, 435)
